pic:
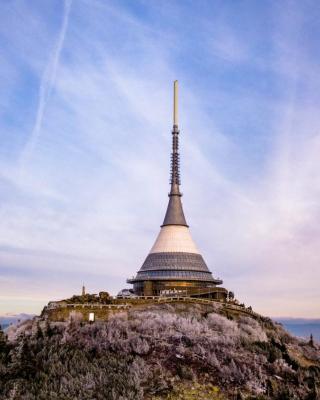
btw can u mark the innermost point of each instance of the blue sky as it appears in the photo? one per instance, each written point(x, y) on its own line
point(85, 120)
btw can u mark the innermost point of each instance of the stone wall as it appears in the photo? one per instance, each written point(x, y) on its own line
point(62, 311)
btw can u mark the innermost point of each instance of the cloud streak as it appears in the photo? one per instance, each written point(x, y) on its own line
point(46, 84)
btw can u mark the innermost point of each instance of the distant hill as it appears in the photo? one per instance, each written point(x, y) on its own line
point(302, 327)
point(13, 319)
point(158, 352)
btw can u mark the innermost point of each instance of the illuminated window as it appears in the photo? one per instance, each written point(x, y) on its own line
point(91, 317)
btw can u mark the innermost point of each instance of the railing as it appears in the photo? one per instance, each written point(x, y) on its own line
point(243, 309)
point(89, 305)
point(193, 292)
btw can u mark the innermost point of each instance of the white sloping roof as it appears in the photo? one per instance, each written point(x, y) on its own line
point(174, 238)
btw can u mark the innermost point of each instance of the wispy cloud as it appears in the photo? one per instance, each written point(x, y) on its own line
point(46, 85)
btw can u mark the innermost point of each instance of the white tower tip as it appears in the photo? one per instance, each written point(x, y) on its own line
point(175, 103)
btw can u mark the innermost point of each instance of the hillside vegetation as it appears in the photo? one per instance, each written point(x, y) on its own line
point(159, 352)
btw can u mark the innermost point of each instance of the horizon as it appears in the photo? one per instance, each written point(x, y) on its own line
point(86, 118)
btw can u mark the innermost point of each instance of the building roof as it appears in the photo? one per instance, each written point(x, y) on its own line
point(175, 266)
point(174, 238)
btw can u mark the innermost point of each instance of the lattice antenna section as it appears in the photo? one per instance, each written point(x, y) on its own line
point(175, 159)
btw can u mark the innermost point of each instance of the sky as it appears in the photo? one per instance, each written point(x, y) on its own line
point(85, 136)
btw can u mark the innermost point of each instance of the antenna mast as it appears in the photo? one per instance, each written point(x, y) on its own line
point(175, 157)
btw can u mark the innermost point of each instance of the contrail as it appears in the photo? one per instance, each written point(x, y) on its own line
point(46, 85)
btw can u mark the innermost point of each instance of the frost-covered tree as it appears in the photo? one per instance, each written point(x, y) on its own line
point(149, 352)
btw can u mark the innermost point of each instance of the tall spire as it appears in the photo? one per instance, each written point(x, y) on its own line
point(174, 214)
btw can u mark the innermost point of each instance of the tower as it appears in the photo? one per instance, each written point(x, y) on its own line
point(174, 264)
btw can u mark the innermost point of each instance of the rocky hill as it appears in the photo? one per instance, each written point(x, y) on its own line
point(175, 351)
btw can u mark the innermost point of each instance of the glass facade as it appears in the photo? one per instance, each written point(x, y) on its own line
point(179, 288)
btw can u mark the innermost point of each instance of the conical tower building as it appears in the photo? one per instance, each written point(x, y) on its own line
point(174, 264)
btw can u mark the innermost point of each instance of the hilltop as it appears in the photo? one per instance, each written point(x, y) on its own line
point(157, 352)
